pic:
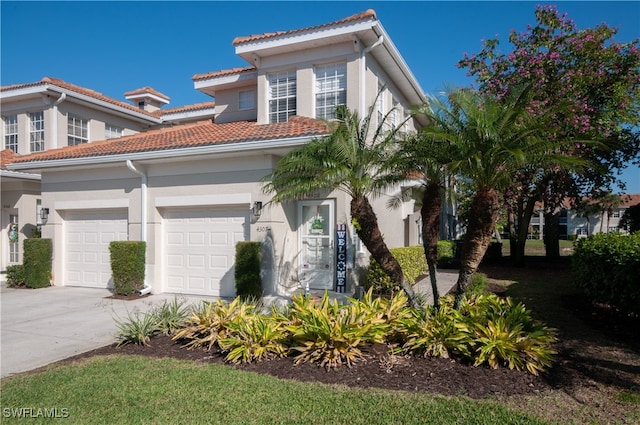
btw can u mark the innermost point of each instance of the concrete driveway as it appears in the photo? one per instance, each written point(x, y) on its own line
point(45, 325)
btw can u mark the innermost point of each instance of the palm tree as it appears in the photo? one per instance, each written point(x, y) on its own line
point(490, 140)
point(423, 158)
point(350, 159)
point(608, 202)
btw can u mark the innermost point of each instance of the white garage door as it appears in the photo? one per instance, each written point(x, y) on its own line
point(87, 240)
point(200, 250)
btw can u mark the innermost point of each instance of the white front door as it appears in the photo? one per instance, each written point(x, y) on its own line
point(316, 225)
point(87, 238)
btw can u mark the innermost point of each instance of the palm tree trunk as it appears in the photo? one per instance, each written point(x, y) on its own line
point(483, 214)
point(552, 234)
point(369, 233)
point(430, 214)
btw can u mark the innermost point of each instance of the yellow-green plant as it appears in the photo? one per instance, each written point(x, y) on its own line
point(210, 322)
point(329, 334)
point(171, 315)
point(256, 337)
point(136, 329)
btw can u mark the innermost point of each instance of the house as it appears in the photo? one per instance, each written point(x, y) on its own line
point(576, 225)
point(52, 114)
point(193, 190)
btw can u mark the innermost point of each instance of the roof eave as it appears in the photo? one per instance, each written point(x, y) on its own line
point(169, 154)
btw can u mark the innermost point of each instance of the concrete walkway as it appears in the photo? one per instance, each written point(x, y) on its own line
point(46, 325)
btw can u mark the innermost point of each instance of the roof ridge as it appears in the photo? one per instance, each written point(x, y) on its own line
point(369, 13)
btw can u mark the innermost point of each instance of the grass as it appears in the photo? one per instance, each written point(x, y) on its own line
point(535, 247)
point(135, 390)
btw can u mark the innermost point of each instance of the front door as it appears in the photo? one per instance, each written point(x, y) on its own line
point(316, 259)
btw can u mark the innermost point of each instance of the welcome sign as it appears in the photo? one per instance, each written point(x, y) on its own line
point(341, 258)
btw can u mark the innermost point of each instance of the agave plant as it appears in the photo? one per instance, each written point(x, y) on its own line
point(171, 316)
point(136, 329)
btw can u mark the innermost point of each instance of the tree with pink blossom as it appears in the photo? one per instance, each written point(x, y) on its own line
point(585, 89)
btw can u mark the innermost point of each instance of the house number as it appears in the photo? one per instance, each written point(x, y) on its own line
point(263, 228)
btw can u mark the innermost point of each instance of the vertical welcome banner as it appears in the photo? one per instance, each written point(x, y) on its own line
point(341, 258)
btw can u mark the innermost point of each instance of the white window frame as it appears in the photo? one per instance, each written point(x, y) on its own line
point(380, 103)
point(36, 131)
point(246, 100)
point(11, 132)
point(77, 130)
point(112, 131)
point(616, 213)
point(282, 96)
point(331, 89)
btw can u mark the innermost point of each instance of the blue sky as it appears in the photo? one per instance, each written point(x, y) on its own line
point(114, 47)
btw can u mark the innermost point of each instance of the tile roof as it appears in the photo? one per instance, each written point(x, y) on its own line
point(185, 108)
point(630, 200)
point(353, 18)
point(204, 133)
point(7, 156)
point(147, 90)
point(222, 73)
point(76, 89)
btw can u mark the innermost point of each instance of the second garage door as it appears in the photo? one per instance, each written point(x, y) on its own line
point(200, 250)
point(87, 258)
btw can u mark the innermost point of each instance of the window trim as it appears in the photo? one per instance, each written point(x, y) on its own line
point(338, 73)
point(11, 132)
point(291, 85)
point(109, 131)
point(73, 138)
point(36, 131)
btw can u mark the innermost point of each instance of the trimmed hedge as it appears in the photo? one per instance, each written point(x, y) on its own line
point(247, 270)
point(15, 275)
point(607, 268)
point(412, 261)
point(446, 253)
point(38, 254)
point(127, 266)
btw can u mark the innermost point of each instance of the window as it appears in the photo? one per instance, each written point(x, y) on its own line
point(14, 237)
point(380, 104)
point(616, 214)
point(396, 113)
point(613, 229)
point(141, 104)
point(76, 130)
point(282, 96)
point(11, 133)
point(112, 132)
point(36, 131)
point(246, 99)
point(331, 89)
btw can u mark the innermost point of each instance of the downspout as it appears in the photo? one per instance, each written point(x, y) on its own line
point(143, 216)
point(61, 99)
point(363, 67)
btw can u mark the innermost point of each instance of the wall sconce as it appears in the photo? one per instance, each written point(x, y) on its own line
point(44, 213)
point(256, 209)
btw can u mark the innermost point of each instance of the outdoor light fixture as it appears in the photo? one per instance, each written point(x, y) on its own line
point(44, 213)
point(256, 210)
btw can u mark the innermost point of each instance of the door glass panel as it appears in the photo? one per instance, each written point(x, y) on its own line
point(317, 246)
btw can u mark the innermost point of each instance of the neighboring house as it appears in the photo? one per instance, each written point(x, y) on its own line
point(573, 224)
point(52, 114)
point(193, 190)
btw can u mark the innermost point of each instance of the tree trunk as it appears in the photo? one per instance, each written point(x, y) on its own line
point(483, 214)
point(430, 214)
point(513, 235)
point(369, 233)
point(552, 234)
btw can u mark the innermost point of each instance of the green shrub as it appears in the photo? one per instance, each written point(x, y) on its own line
point(37, 262)
point(170, 316)
point(413, 265)
point(137, 329)
point(15, 275)
point(446, 253)
point(478, 285)
point(247, 270)
point(127, 266)
point(607, 268)
point(255, 338)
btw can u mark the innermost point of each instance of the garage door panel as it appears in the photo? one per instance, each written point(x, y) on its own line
point(200, 250)
point(87, 257)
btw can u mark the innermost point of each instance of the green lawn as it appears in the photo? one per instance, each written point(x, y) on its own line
point(140, 390)
point(535, 247)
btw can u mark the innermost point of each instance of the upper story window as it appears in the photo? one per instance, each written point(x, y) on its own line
point(380, 104)
point(141, 104)
point(36, 131)
point(112, 132)
point(282, 96)
point(11, 133)
point(331, 89)
point(616, 214)
point(77, 132)
point(246, 100)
